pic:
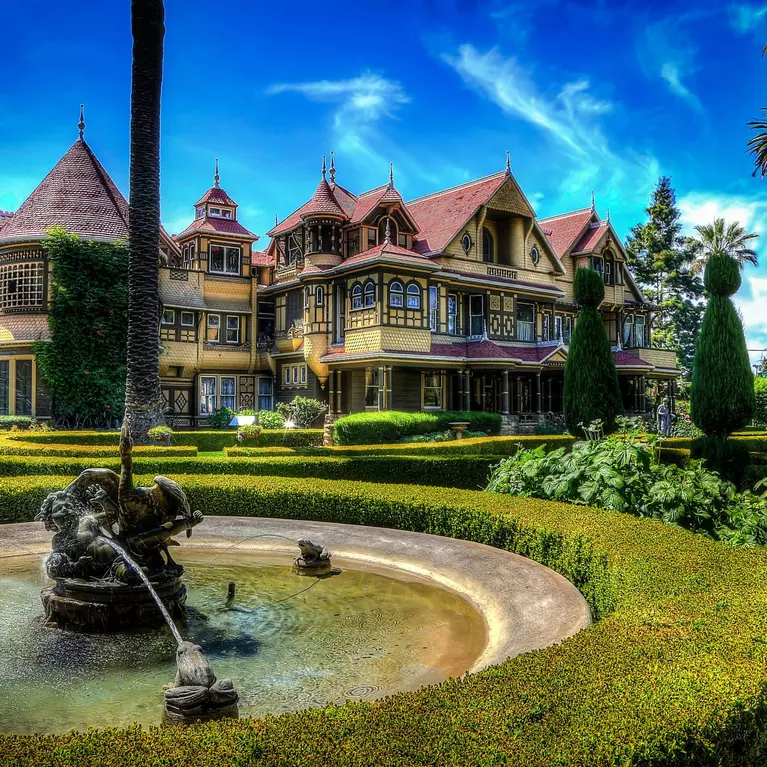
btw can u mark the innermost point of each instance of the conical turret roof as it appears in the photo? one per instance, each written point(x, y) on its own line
point(323, 203)
point(77, 194)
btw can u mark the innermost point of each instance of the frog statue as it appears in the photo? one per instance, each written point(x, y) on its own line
point(101, 506)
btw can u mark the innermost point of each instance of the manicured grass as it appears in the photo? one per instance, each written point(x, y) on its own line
point(673, 673)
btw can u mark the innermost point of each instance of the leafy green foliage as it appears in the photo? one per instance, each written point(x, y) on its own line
point(270, 419)
point(760, 392)
point(16, 421)
point(247, 432)
point(160, 434)
point(302, 411)
point(722, 394)
point(591, 390)
point(84, 362)
point(621, 473)
point(220, 419)
point(662, 260)
point(390, 426)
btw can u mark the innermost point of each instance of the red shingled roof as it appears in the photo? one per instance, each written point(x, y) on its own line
point(564, 230)
point(217, 226)
point(627, 359)
point(216, 194)
point(77, 194)
point(5, 218)
point(591, 237)
point(261, 258)
point(440, 216)
point(389, 250)
point(323, 202)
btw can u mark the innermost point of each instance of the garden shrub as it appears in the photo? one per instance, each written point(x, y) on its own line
point(16, 421)
point(270, 419)
point(220, 419)
point(471, 472)
point(760, 393)
point(91, 451)
point(671, 675)
point(621, 473)
point(302, 411)
point(591, 390)
point(388, 426)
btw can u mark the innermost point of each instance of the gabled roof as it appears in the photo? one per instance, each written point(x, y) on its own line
point(212, 225)
point(440, 216)
point(591, 238)
point(77, 194)
point(216, 194)
point(5, 218)
point(261, 258)
point(340, 200)
point(564, 230)
point(388, 251)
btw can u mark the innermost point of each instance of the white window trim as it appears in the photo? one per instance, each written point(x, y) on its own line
point(208, 326)
point(396, 290)
point(228, 396)
point(187, 324)
point(214, 396)
point(225, 248)
point(319, 296)
point(415, 293)
point(172, 312)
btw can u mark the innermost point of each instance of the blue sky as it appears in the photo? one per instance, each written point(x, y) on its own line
point(585, 95)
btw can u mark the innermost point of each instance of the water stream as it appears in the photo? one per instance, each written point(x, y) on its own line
point(141, 574)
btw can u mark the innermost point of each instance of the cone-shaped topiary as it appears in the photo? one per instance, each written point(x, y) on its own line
point(722, 397)
point(591, 383)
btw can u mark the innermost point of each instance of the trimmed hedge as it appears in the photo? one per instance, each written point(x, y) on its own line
point(20, 421)
point(476, 446)
point(204, 441)
point(674, 673)
point(471, 472)
point(756, 443)
point(92, 451)
point(390, 425)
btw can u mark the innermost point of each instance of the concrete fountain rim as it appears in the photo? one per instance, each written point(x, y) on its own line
point(525, 605)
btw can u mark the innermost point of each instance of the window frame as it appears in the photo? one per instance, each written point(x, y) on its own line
point(520, 323)
point(165, 312)
point(371, 385)
point(396, 291)
point(209, 325)
point(262, 395)
point(213, 396)
point(413, 290)
point(487, 234)
point(319, 296)
point(225, 252)
point(535, 255)
point(434, 308)
point(187, 324)
point(369, 294)
point(356, 297)
point(227, 329)
point(452, 317)
point(437, 388)
point(233, 396)
point(628, 330)
point(607, 273)
point(472, 315)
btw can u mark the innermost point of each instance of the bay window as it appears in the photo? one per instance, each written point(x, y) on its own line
point(224, 260)
point(413, 296)
point(396, 294)
point(370, 294)
point(357, 296)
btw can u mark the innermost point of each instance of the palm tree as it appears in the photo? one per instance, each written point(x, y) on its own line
point(143, 398)
point(757, 145)
point(720, 238)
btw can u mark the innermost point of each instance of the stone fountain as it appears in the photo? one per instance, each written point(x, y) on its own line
point(113, 571)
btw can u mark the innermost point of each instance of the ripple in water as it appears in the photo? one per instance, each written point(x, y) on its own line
point(288, 642)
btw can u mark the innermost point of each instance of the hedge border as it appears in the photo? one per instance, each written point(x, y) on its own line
point(672, 674)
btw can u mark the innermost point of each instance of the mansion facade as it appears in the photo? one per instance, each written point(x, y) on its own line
point(460, 300)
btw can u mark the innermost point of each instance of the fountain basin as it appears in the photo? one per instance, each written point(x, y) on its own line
point(408, 609)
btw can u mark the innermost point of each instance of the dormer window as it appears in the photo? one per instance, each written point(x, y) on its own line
point(220, 213)
point(201, 212)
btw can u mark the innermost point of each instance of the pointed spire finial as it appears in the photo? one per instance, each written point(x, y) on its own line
point(391, 175)
point(215, 175)
point(332, 167)
point(508, 161)
point(81, 124)
point(276, 219)
point(387, 233)
point(608, 215)
point(593, 202)
point(324, 168)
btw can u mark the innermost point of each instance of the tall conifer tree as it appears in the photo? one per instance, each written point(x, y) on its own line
point(662, 261)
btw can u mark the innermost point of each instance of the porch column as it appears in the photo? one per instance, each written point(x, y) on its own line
point(390, 388)
point(519, 394)
point(505, 410)
point(339, 380)
point(551, 401)
point(331, 392)
point(381, 387)
point(539, 395)
point(467, 391)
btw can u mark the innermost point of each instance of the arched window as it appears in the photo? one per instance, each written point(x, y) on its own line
point(396, 294)
point(357, 296)
point(392, 230)
point(488, 246)
point(370, 294)
point(413, 296)
point(307, 301)
point(319, 296)
point(628, 329)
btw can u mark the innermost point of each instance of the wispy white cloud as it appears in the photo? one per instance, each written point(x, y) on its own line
point(745, 17)
point(571, 117)
point(362, 105)
point(699, 208)
point(666, 51)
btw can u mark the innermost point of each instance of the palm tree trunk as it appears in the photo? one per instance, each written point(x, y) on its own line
point(143, 398)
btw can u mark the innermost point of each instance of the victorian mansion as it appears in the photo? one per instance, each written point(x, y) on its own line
point(459, 300)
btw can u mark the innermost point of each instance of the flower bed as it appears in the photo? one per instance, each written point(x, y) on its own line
point(673, 673)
